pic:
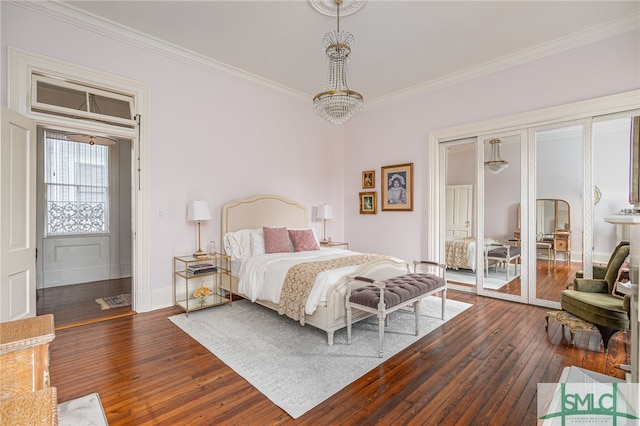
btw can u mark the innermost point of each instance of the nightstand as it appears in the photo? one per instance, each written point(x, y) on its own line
point(201, 282)
point(334, 244)
point(562, 243)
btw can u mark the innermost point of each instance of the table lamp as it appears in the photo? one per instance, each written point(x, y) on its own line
point(324, 212)
point(198, 210)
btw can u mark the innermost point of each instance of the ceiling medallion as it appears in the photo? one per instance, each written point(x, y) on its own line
point(329, 7)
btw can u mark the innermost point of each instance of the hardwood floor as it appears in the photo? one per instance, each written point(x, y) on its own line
point(552, 278)
point(76, 304)
point(481, 367)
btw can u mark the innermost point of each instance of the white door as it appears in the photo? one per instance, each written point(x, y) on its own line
point(17, 216)
point(459, 211)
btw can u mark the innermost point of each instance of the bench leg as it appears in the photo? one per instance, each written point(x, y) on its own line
point(416, 309)
point(444, 301)
point(348, 324)
point(381, 319)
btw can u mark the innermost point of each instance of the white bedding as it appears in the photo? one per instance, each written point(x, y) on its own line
point(262, 276)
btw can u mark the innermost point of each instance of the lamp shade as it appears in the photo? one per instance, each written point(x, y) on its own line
point(324, 212)
point(198, 210)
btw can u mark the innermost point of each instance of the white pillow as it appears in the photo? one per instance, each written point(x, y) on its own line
point(257, 242)
point(238, 244)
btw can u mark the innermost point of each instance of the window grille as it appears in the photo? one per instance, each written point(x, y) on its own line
point(76, 179)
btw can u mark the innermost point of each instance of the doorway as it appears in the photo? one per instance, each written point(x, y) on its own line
point(83, 228)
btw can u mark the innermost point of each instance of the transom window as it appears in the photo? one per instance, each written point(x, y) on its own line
point(76, 179)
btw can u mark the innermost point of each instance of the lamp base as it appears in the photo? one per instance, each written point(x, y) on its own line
point(199, 254)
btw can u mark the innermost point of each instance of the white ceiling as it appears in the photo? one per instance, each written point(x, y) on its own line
point(400, 45)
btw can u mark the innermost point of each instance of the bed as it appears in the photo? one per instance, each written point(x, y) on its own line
point(257, 275)
point(460, 253)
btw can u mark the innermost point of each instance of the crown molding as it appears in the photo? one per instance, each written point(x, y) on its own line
point(618, 105)
point(88, 21)
point(80, 18)
point(572, 41)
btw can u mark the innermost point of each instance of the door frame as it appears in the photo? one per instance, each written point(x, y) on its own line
point(21, 64)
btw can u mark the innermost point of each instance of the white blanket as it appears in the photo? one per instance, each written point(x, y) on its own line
point(262, 276)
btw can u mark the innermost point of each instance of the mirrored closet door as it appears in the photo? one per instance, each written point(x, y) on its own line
point(557, 213)
point(571, 175)
point(501, 176)
point(481, 202)
point(460, 212)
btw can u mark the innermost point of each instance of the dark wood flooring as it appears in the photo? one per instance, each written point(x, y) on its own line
point(551, 277)
point(76, 304)
point(480, 368)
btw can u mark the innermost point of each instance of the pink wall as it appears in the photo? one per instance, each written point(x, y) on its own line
point(399, 133)
point(219, 139)
point(212, 137)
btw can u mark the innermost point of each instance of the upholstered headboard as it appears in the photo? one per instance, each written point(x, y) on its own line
point(263, 210)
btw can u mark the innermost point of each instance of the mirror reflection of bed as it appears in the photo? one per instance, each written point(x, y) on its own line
point(501, 262)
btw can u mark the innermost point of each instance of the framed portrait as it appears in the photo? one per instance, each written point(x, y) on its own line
point(368, 203)
point(397, 187)
point(369, 179)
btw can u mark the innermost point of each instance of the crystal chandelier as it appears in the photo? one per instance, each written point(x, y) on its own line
point(496, 164)
point(337, 103)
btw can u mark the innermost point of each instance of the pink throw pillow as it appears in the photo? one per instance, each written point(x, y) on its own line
point(276, 240)
point(303, 240)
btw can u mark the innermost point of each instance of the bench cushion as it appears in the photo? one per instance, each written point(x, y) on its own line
point(501, 252)
point(397, 290)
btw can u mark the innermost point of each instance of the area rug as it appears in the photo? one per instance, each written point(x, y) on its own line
point(293, 365)
point(84, 411)
point(494, 281)
point(114, 301)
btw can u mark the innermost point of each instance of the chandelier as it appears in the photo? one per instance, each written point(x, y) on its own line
point(496, 164)
point(337, 103)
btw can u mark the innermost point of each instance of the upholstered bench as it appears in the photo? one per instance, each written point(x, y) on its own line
point(385, 297)
point(500, 254)
point(573, 322)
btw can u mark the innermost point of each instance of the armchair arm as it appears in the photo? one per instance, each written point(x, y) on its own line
point(590, 285)
point(626, 304)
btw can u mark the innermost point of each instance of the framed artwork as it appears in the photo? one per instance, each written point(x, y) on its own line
point(368, 203)
point(397, 187)
point(369, 179)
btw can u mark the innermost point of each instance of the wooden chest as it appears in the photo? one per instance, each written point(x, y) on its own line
point(24, 355)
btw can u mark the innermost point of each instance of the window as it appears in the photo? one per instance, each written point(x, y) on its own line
point(56, 96)
point(76, 179)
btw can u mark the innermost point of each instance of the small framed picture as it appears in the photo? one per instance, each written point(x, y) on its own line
point(397, 187)
point(369, 179)
point(368, 203)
